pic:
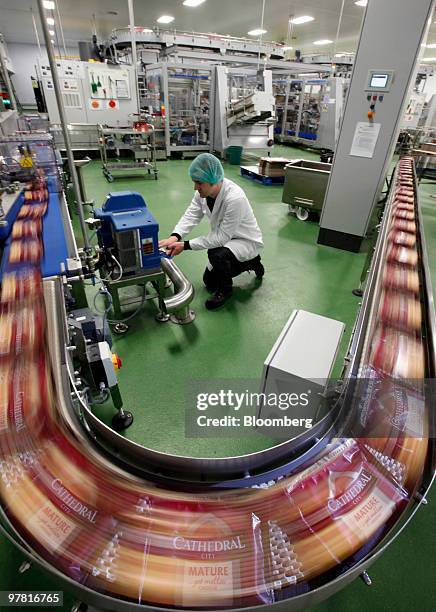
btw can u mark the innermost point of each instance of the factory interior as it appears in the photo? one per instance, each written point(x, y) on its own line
point(247, 427)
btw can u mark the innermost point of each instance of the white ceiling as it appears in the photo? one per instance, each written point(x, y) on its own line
point(234, 17)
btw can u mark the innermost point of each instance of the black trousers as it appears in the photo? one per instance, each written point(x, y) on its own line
point(225, 267)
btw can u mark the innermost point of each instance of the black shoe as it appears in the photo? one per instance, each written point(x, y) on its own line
point(257, 267)
point(217, 300)
point(209, 280)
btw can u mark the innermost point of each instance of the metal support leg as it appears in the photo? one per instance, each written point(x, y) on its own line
point(420, 498)
point(162, 316)
point(116, 305)
point(26, 565)
point(366, 579)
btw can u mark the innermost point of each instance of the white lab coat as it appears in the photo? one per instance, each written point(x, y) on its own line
point(232, 223)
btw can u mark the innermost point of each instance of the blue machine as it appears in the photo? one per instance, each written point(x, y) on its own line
point(129, 231)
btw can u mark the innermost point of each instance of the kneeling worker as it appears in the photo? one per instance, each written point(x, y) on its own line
point(234, 240)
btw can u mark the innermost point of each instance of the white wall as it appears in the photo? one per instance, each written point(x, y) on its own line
point(23, 58)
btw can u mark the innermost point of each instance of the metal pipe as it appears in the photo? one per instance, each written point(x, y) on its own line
point(6, 77)
point(261, 34)
point(134, 56)
point(63, 120)
point(36, 33)
point(61, 29)
point(338, 30)
point(184, 292)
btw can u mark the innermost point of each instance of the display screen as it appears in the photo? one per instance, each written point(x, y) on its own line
point(379, 80)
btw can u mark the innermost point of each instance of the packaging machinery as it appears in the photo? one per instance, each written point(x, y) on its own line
point(310, 110)
point(179, 98)
point(111, 519)
point(244, 108)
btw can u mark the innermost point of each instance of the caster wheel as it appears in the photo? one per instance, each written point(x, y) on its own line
point(291, 208)
point(110, 178)
point(120, 328)
point(357, 292)
point(302, 214)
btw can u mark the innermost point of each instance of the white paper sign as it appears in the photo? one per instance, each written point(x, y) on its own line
point(365, 139)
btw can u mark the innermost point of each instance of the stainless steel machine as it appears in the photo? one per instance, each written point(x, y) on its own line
point(179, 99)
point(310, 110)
point(244, 108)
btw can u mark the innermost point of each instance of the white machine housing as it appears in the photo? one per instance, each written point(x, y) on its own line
point(303, 354)
point(93, 93)
point(248, 121)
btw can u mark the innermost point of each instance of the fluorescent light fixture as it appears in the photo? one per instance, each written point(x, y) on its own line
point(432, 46)
point(361, 2)
point(344, 54)
point(50, 20)
point(286, 48)
point(302, 19)
point(51, 32)
point(165, 19)
point(52, 41)
point(146, 30)
point(323, 41)
point(193, 2)
point(429, 59)
point(49, 5)
point(256, 32)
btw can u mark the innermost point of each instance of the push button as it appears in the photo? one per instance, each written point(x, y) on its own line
point(380, 98)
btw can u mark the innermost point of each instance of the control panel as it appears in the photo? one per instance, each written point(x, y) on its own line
point(378, 83)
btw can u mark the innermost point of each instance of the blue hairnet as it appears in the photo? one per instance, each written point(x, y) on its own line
point(206, 168)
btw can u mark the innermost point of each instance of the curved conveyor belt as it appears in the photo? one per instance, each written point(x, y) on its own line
point(123, 541)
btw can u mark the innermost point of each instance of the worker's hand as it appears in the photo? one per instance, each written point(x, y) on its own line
point(167, 241)
point(175, 249)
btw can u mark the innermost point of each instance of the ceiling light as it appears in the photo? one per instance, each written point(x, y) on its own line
point(286, 48)
point(257, 32)
point(50, 20)
point(51, 32)
point(323, 41)
point(432, 46)
point(52, 41)
point(302, 19)
point(146, 30)
point(193, 2)
point(429, 59)
point(361, 2)
point(49, 5)
point(165, 19)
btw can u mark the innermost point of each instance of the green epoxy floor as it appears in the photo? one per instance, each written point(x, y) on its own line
point(161, 360)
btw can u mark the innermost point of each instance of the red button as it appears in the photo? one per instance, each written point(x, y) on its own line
point(374, 98)
point(112, 103)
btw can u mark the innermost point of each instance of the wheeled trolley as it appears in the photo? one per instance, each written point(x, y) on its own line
point(139, 140)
